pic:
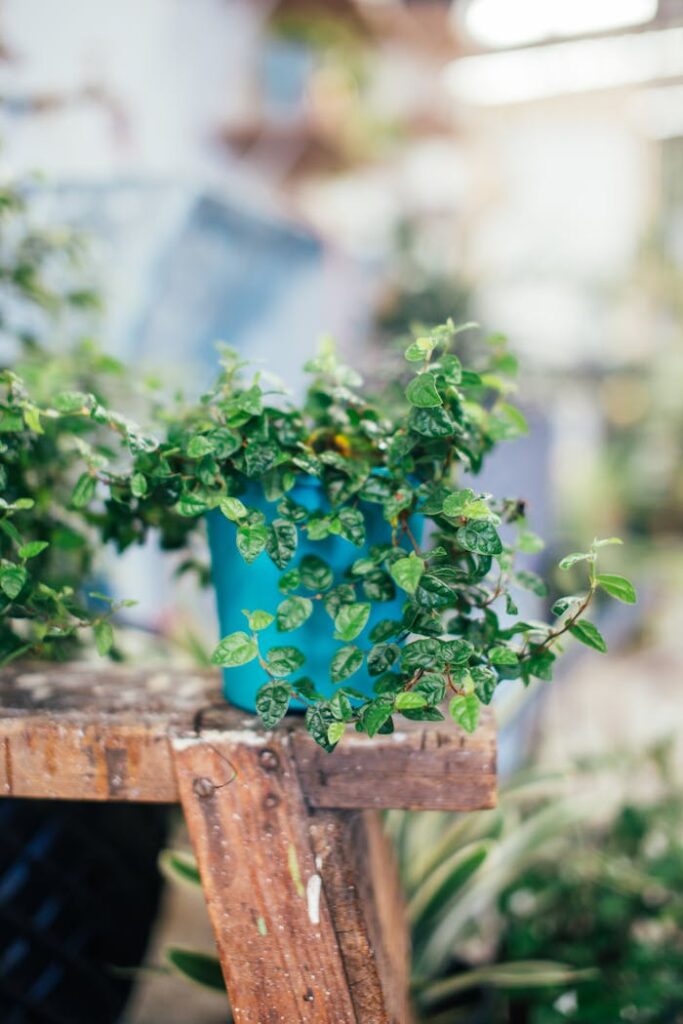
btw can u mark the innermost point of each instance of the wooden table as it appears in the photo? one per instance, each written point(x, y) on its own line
point(300, 884)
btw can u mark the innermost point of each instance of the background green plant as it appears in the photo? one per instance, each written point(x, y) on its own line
point(562, 904)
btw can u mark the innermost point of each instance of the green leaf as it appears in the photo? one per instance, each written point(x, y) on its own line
point(454, 503)
point(272, 701)
point(12, 580)
point(32, 419)
point(376, 714)
point(485, 683)
point(352, 524)
point(419, 350)
point(179, 866)
point(502, 656)
point(289, 580)
point(343, 593)
point(284, 660)
point(232, 508)
point(464, 709)
point(410, 699)
point(480, 537)
point(201, 968)
point(456, 653)
point(225, 442)
point(615, 586)
point(345, 662)
point(281, 542)
point(200, 446)
point(258, 620)
point(432, 423)
point(305, 688)
point(407, 572)
point(577, 556)
point(425, 653)
point(351, 620)
point(382, 657)
point(384, 630)
point(83, 491)
point(335, 731)
point(72, 401)
point(259, 457)
point(10, 422)
point(10, 530)
point(432, 686)
point(606, 541)
point(318, 720)
point(138, 485)
point(293, 612)
point(251, 540)
point(589, 635)
point(315, 573)
point(530, 543)
point(422, 392)
point(563, 604)
point(33, 548)
point(425, 714)
point(531, 581)
point(191, 506)
point(235, 649)
point(104, 637)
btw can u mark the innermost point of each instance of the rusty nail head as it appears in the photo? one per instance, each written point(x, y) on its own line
point(203, 787)
point(271, 800)
point(269, 760)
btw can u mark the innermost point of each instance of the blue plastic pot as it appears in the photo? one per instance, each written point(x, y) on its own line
point(241, 586)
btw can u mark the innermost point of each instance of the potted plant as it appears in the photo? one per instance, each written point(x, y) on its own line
point(79, 889)
point(356, 577)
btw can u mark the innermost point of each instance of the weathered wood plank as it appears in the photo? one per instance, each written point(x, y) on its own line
point(361, 883)
point(423, 766)
point(78, 732)
point(248, 823)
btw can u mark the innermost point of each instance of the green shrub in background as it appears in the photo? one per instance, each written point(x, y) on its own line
point(548, 909)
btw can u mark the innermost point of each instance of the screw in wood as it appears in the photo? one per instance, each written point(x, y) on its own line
point(203, 787)
point(269, 760)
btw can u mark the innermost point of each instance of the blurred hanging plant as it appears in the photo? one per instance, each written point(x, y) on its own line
point(47, 549)
point(57, 432)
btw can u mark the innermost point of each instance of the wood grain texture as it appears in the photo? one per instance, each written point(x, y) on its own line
point(360, 880)
point(79, 732)
point(276, 940)
point(421, 766)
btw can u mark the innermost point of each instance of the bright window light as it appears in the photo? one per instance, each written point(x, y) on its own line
point(504, 23)
point(588, 65)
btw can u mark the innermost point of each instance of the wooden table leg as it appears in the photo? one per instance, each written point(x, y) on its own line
point(303, 904)
point(360, 879)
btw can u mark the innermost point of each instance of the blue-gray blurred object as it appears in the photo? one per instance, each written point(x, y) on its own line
point(182, 268)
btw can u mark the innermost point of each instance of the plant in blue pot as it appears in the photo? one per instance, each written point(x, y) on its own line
point(357, 579)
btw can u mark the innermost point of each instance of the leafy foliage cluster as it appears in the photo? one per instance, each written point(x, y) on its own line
point(449, 641)
point(75, 474)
